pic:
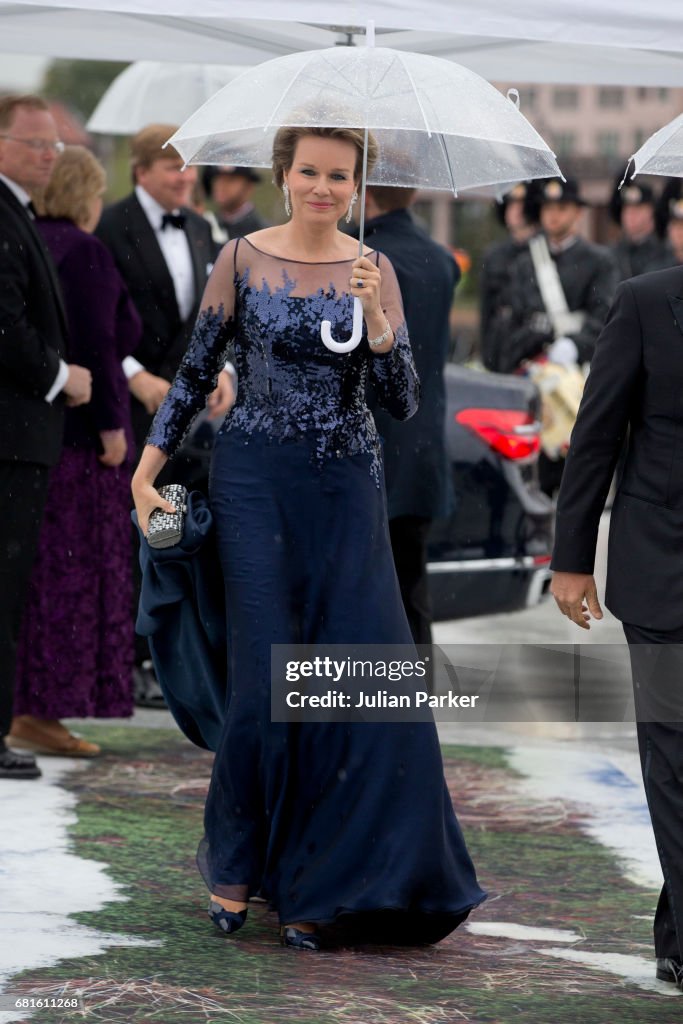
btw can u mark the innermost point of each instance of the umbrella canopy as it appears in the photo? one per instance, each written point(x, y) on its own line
point(149, 92)
point(438, 125)
point(662, 153)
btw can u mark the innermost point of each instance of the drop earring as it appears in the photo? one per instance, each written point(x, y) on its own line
point(349, 212)
point(288, 205)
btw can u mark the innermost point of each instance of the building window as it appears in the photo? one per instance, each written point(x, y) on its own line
point(527, 98)
point(608, 144)
point(643, 92)
point(639, 137)
point(664, 95)
point(565, 99)
point(611, 96)
point(565, 143)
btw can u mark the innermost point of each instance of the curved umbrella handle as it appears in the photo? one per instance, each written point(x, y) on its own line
point(356, 334)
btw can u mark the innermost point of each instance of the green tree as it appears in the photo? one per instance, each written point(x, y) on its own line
point(80, 83)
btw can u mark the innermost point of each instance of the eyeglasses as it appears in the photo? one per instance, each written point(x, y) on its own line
point(38, 145)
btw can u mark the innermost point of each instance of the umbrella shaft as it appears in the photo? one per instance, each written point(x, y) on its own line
point(363, 182)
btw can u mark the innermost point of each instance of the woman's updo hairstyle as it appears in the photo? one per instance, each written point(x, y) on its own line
point(287, 139)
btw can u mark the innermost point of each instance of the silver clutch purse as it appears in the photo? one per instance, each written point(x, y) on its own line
point(166, 528)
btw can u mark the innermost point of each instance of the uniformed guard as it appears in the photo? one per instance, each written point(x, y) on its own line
point(518, 213)
point(669, 215)
point(640, 249)
point(561, 290)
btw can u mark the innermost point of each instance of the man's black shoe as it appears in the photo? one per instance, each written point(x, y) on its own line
point(146, 690)
point(17, 766)
point(670, 968)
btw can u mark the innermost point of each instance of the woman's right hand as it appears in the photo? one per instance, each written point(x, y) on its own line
point(147, 498)
point(145, 495)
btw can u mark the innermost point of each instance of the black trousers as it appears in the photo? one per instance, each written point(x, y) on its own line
point(658, 688)
point(23, 491)
point(409, 547)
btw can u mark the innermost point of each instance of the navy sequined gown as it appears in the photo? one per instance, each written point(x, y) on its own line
point(344, 824)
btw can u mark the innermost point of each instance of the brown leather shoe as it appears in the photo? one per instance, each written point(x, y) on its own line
point(27, 734)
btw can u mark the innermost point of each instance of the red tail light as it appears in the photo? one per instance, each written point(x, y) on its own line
point(510, 432)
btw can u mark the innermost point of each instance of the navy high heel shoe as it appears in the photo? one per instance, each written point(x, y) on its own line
point(297, 939)
point(229, 921)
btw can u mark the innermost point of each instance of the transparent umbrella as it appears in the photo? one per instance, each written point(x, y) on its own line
point(150, 92)
point(662, 153)
point(438, 125)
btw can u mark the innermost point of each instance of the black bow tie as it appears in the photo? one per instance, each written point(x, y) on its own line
point(176, 220)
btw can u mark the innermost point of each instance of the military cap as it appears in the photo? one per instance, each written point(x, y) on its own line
point(211, 172)
point(629, 194)
point(555, 190)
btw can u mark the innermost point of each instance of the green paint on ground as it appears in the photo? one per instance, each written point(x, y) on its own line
point(140, 812)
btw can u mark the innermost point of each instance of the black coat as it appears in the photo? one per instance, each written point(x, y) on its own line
point(636, 382)
point(495, 285)
point(635, 258)
point(126, 231)
point(589, 276)
point(33, 338)
point(415, 461)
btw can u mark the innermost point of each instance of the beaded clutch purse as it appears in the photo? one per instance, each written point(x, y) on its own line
point(166, 528)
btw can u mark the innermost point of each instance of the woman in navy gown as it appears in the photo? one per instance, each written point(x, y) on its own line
point(344, 825)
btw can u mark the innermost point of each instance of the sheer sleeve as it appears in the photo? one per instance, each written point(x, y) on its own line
point(392, 374)
point(205, 357)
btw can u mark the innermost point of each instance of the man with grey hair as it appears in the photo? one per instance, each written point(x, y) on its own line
point(35, 379)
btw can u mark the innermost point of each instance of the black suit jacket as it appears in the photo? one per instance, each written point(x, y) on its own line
point(415, 462)
point(127, 233)
point(33, 337)
point(636, 382)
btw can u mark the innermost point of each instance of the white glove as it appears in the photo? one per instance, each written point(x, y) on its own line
point(564, 352)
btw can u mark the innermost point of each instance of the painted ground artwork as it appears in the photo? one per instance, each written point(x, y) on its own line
point(564, 937)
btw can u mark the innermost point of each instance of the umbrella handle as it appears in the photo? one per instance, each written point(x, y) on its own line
point(356, 334)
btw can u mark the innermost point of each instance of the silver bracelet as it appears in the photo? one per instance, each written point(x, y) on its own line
point(377, 342)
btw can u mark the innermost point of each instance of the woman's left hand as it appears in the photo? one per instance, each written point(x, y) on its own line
point(366, 284)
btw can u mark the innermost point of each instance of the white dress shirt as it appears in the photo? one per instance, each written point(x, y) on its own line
point(176, 251)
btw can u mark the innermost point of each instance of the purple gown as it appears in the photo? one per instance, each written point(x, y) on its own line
point(75, 653)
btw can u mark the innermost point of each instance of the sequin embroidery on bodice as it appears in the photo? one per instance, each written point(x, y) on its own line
point(290, 385)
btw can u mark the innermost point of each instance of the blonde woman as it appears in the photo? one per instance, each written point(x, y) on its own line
point(76, 649)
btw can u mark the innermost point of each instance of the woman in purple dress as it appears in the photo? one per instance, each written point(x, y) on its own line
point(75, 654)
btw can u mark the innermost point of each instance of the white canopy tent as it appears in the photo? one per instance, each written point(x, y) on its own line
point(591, 41)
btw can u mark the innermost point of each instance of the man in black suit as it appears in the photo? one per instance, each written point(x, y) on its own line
point(164, 252)
point(635, 389)
point(415, 463)
point(35, 380)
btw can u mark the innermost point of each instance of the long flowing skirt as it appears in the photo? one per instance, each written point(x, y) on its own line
point(335, 823)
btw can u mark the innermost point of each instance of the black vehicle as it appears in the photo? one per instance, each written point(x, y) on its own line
point(493, 553)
